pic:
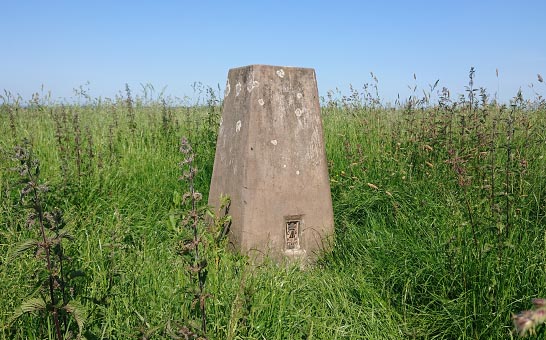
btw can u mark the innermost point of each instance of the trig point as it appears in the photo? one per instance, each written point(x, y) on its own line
point(270, 160)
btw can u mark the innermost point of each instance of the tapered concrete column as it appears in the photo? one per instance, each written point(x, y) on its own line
point(270, 159)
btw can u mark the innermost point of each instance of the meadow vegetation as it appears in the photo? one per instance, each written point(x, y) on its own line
point(439, 204)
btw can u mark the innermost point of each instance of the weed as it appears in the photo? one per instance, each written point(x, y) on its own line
point(49, 247)
point(191, 243)
point(130, 110)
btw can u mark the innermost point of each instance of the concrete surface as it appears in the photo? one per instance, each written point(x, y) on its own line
point(270, 159)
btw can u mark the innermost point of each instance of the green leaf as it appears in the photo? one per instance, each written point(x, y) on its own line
point(22, 248)
point(78, 312)
point(172, 222)
point(33, 305)
point(75, 273)
point(176, 198)
point(63, 233)
point(60, 235)
point(29, 306)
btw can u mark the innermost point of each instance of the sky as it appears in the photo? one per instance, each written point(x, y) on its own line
point(100, 45)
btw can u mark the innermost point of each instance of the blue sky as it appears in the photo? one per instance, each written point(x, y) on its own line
point(65, 44)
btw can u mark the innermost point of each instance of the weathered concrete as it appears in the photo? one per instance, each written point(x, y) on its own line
point(270, 160)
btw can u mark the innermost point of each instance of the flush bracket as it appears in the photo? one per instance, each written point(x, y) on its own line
point(292, 232)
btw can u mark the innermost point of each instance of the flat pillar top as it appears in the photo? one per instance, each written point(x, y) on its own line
point(273, 66)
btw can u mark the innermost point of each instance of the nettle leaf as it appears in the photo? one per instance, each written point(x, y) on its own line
point(78, 312)
point(33, 305)
point(75, 273)
point(177, 198)
point(29, 306)
point(64, 233)
point(23, 247)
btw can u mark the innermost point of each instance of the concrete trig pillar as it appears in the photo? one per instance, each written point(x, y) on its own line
point(270, 159)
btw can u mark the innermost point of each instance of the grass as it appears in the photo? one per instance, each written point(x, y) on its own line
point(439, 207)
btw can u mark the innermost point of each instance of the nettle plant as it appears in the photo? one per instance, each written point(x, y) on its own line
point(55, 300)
point(201, 237)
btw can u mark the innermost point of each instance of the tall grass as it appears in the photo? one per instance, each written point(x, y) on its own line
point(439, 209)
